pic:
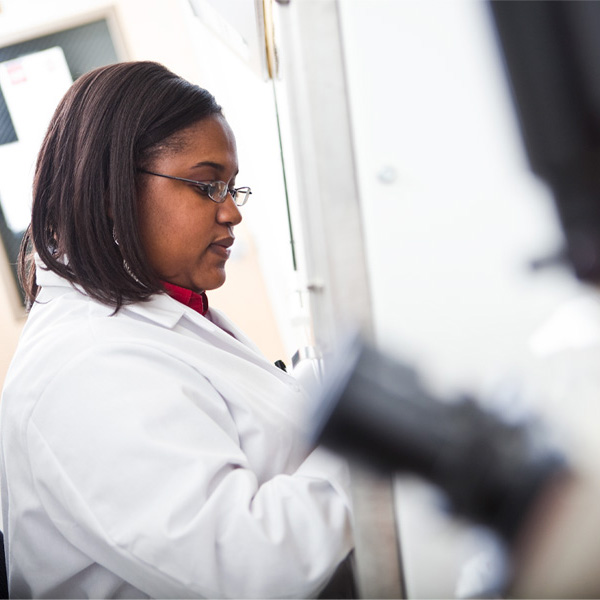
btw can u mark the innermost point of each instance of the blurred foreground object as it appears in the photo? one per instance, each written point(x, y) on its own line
point(376, 410)
point(552, 57)
point(504, 475)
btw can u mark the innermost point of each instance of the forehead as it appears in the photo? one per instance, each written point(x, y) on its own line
point(209, 140)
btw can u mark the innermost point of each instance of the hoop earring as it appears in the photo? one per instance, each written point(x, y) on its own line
point(125, 264)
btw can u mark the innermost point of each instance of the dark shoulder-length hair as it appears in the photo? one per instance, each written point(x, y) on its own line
point(84, 222)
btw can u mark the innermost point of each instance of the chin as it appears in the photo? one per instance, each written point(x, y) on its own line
point(212, 283)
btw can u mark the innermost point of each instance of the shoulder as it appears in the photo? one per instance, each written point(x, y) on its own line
point(93, 370)
point(72, 337)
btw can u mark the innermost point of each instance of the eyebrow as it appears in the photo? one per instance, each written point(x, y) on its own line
point(214, 165)
point(209, 163)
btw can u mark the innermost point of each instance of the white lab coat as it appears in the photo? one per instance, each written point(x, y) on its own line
point(154, 454)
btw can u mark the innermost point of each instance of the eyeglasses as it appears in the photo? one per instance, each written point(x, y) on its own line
point(216, 190)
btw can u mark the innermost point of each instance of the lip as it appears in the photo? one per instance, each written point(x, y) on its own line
point(225, 242)
point(222, 246)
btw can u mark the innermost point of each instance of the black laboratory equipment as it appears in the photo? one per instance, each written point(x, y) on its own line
point(551, 52)
point(376, 409)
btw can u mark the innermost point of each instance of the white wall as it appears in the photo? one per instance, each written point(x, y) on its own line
point(12, 314)
point(452, 214)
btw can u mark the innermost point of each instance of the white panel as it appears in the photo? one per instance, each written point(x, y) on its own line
point(451, 212)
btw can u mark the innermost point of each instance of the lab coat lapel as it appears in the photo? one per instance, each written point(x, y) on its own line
point(168, 312)
point(228, 334)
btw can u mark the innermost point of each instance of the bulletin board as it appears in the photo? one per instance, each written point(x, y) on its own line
point(70, 52)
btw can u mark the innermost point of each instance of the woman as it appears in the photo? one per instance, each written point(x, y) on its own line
point(148, 448)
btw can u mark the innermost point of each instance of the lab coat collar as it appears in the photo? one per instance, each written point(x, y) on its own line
point(160, 308)
point(167, 311)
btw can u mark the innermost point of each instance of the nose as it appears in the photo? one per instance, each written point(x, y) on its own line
point(228, 212)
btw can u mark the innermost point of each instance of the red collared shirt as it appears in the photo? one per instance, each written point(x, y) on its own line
point(199, 302)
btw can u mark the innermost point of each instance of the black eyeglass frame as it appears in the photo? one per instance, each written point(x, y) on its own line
point(208, 188)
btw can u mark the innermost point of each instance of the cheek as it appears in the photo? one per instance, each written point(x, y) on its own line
point(158, 229)
point(172, 234)
point(154, 228)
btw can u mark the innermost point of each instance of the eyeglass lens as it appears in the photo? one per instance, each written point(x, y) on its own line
point(241, 195)
point(218, 190)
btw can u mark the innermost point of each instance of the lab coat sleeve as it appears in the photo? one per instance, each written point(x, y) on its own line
point(145, 474)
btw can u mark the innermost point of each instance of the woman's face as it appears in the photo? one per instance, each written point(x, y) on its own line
point(186, 235)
